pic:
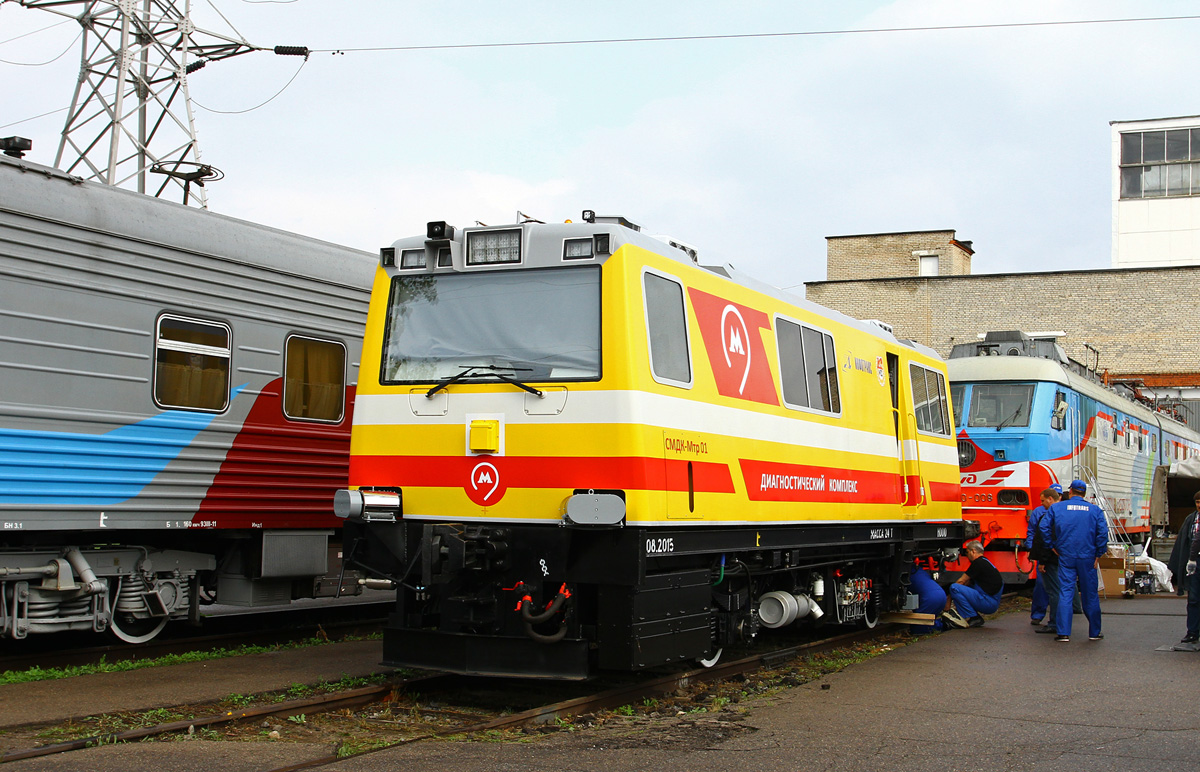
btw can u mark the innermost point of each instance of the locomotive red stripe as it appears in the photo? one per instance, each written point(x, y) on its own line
point(772, 481)
point(624, 473)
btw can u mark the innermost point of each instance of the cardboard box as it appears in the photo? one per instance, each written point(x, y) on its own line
point(1111, 563)
point(1117, 551)
point(1114, 581)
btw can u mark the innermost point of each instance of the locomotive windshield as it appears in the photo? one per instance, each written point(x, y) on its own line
point(1000, 404)
point(534, 325)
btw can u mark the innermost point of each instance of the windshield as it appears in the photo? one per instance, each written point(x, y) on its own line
point(1000, 404)
point(956, 401)
point(533, 325)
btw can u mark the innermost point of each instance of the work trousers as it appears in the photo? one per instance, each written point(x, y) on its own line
point(1081, 572)
point(970, 601)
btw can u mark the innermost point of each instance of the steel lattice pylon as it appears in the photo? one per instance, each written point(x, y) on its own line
point(131, 111)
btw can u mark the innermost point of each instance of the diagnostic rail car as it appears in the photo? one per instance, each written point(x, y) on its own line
point(575, 448)
point(1030, 416)
point(175, 400)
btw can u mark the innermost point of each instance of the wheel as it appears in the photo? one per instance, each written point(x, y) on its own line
point(136, 630)
point(123, 625)
point(710, 661)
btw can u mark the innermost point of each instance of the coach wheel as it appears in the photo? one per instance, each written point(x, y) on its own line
point(871, 613)
point(132, 630)
point(710, 661)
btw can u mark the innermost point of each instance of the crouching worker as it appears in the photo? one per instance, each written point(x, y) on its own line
point(976, 592)
point(931, 599)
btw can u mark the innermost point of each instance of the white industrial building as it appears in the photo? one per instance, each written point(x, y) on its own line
point(1156, 192)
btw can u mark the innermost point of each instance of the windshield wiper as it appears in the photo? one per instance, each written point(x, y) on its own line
point(1013, 417)
point(494, 371)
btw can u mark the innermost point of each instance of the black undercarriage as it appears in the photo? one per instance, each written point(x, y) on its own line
point(562, 602)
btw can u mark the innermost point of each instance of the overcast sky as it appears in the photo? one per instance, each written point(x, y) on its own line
point(753, 150)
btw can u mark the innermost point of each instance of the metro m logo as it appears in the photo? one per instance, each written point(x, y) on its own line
point(732, 335)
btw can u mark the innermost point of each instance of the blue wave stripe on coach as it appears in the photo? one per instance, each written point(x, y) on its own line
point(74, 469)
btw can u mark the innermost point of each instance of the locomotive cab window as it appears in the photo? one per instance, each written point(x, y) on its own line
point(666, 328)
point(1000, 405)
point(807, 367)
point(314, 382)
point(929, 400)
point(530, 325)
point(191, 364)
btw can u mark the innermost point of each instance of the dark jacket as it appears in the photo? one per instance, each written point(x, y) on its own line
point(1179, 553)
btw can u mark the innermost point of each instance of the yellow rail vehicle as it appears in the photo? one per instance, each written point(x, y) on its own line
point(575, 447)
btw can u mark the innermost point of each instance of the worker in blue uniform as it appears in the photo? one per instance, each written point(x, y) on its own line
point(977, 591)
point(931, 598)
point(1045, 588)
point(1077, 532)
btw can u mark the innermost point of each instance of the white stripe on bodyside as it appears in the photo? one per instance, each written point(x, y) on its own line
point(647, 409)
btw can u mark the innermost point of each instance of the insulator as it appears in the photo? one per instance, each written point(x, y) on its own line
point(292, 51)
point(196, 65)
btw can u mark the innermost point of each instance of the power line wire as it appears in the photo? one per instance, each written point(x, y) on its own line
point(36, 31)
point(50, 61)
point(751, 35)
point(34, 118)
point(264, 104)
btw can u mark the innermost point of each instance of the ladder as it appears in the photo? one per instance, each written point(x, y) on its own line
point(1117, 531)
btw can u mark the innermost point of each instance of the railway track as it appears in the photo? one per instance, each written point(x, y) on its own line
point(262, 628)
point(425, 707)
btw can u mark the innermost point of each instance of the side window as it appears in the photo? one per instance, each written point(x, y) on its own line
point(191, 364)
point(791, 363)
point(807, 367)
point(314, 381)
point(929, 400)
point(666, 325)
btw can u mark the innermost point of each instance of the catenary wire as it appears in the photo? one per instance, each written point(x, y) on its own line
point(753, 35)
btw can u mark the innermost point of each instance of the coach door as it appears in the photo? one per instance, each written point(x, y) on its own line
point(912, 488)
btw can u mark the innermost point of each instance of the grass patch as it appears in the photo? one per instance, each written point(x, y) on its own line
point(103, 666)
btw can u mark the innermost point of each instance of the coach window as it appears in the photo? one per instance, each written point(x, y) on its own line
point(191, 364)
point(807, 367)
point(666, 325)
point(929, 400)
point(314, 382)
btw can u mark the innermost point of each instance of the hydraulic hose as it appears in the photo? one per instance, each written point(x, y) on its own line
point(551, 610)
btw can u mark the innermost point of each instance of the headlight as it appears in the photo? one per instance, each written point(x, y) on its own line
point(487, 247)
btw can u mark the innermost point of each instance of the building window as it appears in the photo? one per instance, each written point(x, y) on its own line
point(191, 364)
point(927, 265)
point(1156, 164)
point(314, 383)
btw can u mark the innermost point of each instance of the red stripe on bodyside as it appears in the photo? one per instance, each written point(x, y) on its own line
point(623, 473)
point(279, 473)
point(940, 491)
point(772, 481)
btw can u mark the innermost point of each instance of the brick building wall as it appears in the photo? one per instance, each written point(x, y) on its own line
point(895, 254)
point(1144, 321)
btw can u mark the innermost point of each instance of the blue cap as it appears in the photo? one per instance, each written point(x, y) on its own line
point(1056, 487)
point(1079, 485)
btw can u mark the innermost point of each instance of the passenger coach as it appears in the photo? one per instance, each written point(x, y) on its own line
point(175, 398)
point(575, 448)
